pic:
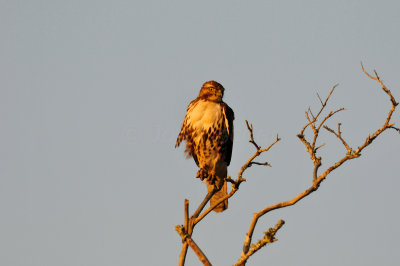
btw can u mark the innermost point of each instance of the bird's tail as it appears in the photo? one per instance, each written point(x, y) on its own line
point(219, 195)
point(220, 182)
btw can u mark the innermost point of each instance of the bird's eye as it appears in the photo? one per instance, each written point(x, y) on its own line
point(211, 88)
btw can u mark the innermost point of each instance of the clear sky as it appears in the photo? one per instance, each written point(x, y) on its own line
point(92, 97)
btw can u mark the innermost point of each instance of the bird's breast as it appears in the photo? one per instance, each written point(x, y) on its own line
point(205, 114)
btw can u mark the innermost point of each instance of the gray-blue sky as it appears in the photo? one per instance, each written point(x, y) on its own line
point(92, 96)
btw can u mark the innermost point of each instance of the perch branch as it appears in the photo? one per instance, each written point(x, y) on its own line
point(204, 202)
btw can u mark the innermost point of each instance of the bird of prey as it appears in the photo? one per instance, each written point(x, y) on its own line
point(208, 131)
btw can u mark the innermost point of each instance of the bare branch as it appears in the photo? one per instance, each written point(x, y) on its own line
point(310, 112)
point(386, 125)
point(310, 148)
point(269, 237)
point(320, 146)
point(326, 101)
point(256, 216)
point(322, 104)
point(315, 118)
point(193, 245)
point(256, 154)
point(329, 116)
point(204, 202)
point(392, 99)
point(250, 128)
point(257, 163)
point(395, 128)
point(198, 219)
point(187, 229)
point(339, 136)
point(182, 256)
point(186, 215)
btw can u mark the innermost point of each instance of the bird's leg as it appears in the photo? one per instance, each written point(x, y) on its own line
point(212, 177)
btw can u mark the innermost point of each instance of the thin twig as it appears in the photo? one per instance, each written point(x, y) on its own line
point(392, 99)
point(250, 128)
point(395, 128)
point(339, 136)
point(186, 215)
point(322, 104)
point(320, 111)
point(257, 163)
point(329, 116)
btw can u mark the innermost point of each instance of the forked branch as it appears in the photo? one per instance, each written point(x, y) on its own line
point(186, 231)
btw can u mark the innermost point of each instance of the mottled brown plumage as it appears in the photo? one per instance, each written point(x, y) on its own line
point(208, 131)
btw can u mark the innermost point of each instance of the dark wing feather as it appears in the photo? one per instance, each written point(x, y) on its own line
point(230, 116)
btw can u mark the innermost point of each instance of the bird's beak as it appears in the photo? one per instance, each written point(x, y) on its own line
point(219, 93)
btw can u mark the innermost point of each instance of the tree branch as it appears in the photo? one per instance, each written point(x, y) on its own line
point(269, 237)
point(250, 128)
point(310, 148)
point(182, 256)
point(186, 231)
point(204, 202)
point(189, 241)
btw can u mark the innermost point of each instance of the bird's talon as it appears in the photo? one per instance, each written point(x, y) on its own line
point(202, 174)
point(212, 177)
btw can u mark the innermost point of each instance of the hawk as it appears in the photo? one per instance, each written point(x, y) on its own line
point(208, 131)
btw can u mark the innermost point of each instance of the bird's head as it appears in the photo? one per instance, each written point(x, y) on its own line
point(212, 91)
